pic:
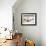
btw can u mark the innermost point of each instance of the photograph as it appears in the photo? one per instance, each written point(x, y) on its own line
point(28, 18)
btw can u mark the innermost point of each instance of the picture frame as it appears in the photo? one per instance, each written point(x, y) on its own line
point(29, 19)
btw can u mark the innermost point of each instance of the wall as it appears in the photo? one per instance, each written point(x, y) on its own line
point(6, 13)
point(43, 22)
point(29, 32)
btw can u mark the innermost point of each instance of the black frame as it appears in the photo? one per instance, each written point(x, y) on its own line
point(29, 24)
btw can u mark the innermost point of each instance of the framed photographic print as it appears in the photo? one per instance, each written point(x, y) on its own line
point(28, 18)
